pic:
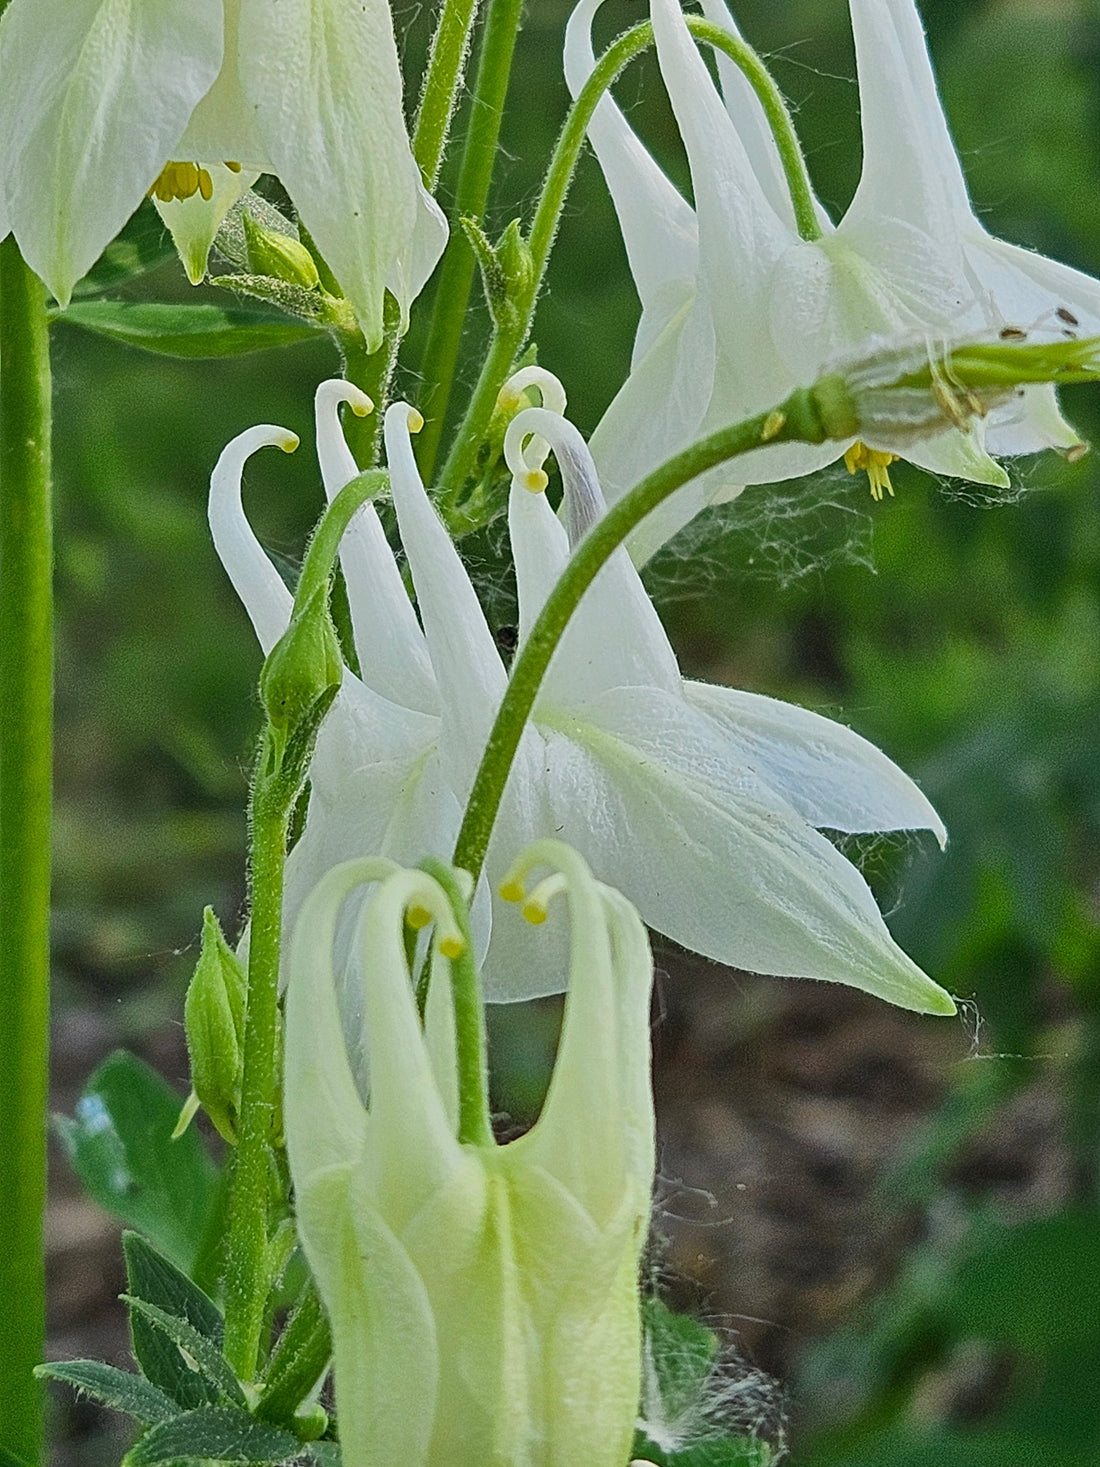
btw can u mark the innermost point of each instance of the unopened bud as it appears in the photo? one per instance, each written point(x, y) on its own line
point(214, 1022)
point(279, 255)
point(303, 670)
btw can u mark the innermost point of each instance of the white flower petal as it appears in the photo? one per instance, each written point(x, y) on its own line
point(832, 776)
point(96, 96)
point(469, 673)
point(194, 222)
point(324, 81)
point(392, 652)
point(223, 124)
point(910, 171)
point(255, 579)
point(718, 862)
point(658, 226)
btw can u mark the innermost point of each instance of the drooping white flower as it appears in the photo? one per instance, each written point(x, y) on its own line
point(738, 309)
point(700, 803)
point(483, 1298)
point(101, 96)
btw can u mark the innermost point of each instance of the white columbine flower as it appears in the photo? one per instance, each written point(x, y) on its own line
point(738, 309)
point(107, 100)
point(700, 803)
point(483, 1298)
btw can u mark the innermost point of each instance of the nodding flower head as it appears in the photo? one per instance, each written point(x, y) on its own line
point(190, 102)
point(483, 1297)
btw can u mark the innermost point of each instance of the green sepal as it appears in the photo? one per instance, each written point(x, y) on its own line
point(295, 300)
point(199, 331)
point(213, 1434)
point(297, 1362)
point(119, 1144)
point(493, 279)
point(156, 1281)
point(121, 1390)
point(213, 1017)
point(275, 253)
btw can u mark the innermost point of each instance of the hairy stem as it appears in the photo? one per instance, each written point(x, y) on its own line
point(26, 683)
point(442, 82)
point(799, 419)
point(246, 1277)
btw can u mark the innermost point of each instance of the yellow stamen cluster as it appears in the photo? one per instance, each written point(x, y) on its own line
point(875, 462)
point(185, 180)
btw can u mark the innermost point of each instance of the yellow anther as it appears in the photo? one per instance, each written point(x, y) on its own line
point(233, 167)
point(452, 946)
point(533, 480)
point(511, 891)
point(534, 912)
point(179, 181)
point(417, 917)
point(773, 424)
point(538, 903)
point(415, 420)
point(875, 462)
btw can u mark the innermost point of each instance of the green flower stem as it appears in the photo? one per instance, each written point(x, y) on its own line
point(474, 1124)
point(275, 792)
point(779, 120)
point(809, 415)
point(26, 683)
point(471, 195)
point(246, 1275)
point(371, 373)
point(507, 343)
point(442, 82)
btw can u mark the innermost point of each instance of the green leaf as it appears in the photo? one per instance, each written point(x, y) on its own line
point(214, 1434)
point(119, 1146)
point(143, 245)
point(119, 1389)
point(297, 1361)
point(159, 1283)
point(202, 330)
point(8, 1459)
point(196, 1354)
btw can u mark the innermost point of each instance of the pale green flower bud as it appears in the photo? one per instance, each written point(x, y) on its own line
point(303, 671)
point(214, 1021)
point(483, 1298)
point(271, 252)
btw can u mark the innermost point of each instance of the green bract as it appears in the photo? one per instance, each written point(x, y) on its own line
point(102, 96)
point(483, 1298)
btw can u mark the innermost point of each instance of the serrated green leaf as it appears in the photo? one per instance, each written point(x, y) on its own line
point(199, 331)
point(153, 1278)
point(196, 1353)
point(213, 1434)
point(119, 1389)
point(325, 1454)
point(143, 244)
point(119, 1146)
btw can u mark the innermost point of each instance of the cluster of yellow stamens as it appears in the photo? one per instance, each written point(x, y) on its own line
point(875, 462)
point(184, 180)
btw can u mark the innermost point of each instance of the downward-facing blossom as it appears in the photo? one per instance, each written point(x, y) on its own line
point(102, 97)
point(483, 1298)
point(700, 803)
point(738, 308)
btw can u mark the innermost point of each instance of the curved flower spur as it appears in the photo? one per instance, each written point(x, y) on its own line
point(483, 1298)
point(95, 112)
point(750, 292)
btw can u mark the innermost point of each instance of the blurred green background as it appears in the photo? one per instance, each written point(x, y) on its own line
point(959, 633)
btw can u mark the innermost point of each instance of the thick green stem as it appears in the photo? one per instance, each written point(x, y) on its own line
point(456, 277)
point(246, 1277)
point(474, 1124)
point(799, 419)
point(26, 682)
point(442, 83)
point(371, 373)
